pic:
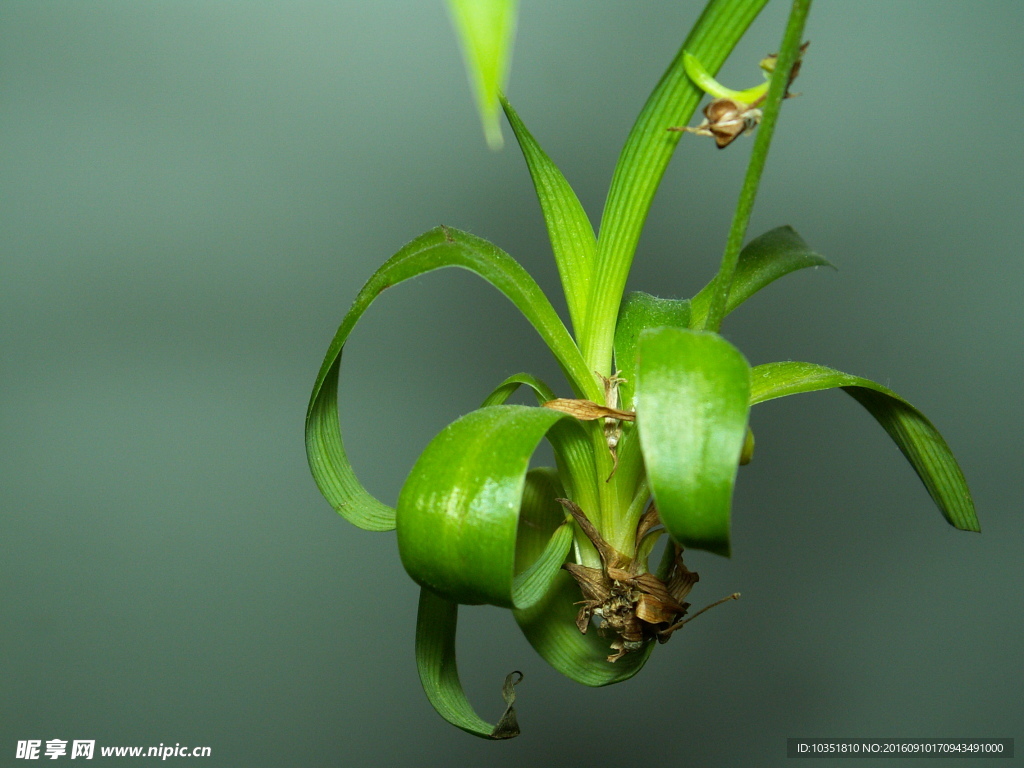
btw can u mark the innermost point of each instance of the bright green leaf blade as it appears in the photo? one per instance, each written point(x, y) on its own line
point(540, 515)
point(643, 161)
point(438, 248)
point(692, 403)
point(436, 622)
point(504, 390)
point(458, 511)
point(574, 454)
point(572, 236)
point(638, 312)
point(916, 436)
point(763, 260)
point(532, 584)
point(329, 464)
point(486, 31)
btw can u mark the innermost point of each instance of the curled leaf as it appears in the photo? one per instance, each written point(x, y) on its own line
point(436, 249)
point(436, 622)
point(458, 512)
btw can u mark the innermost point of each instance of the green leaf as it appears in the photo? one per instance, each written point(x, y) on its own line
point(763, 260)
point(458, 512)
point(643, 161)
point(568, 438)
point(486, 31)
point(441, 247)
point(570, 231)
point(915, 435)
point(539, 516)
point(691, 408)
point(436, 622)
point(532, 584)
point(638, 312)
point(504, 390)
point(329, 464)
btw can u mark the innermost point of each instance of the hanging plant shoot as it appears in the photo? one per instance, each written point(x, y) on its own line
point(652, 423)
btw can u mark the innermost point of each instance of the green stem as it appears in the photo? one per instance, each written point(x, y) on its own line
point(607, 491)
point(696, 72)
point(789, 53)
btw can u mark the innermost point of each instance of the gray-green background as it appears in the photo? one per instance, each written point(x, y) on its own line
point(191, 193)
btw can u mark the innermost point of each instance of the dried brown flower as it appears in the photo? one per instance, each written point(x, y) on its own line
point(635, 606)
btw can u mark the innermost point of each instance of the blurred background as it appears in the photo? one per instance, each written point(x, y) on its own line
point(191, 194)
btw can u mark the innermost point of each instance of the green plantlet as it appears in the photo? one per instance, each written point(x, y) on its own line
point(649, 440)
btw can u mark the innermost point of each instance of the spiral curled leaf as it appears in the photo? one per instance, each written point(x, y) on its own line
point(436, 249)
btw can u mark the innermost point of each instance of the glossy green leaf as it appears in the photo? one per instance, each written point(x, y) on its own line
point(438, 248)
point(572, 236)
point(763, 260)
point(642, 164)
point(436, 623)
point(692, 403)
point(486, 31)
point(915, 435)
point(458, 512)
point(569, 439)
point(638, 312)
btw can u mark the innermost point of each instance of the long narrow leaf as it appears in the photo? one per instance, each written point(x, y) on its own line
point(486, 30)
point(643, 161)
point(436, 622)
point(692, 402)
point(916, 436)
point(570, 231)
point(438, 248)
point(329, 464)
point(762, 261)
point(458, 512)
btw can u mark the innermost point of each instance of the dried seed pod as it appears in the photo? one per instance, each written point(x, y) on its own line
point(725, 119)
